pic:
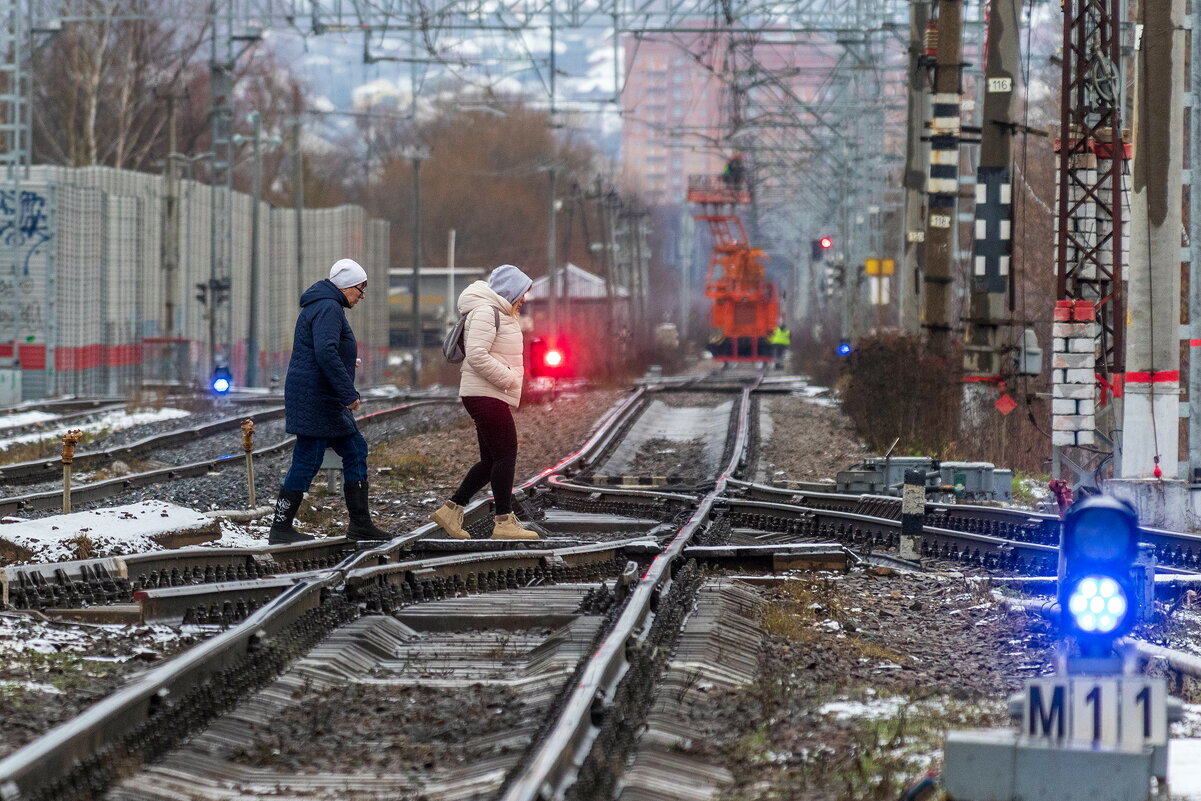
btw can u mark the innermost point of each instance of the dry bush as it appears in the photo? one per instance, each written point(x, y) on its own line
point(812, 353)
point(892, 389)
point(84, 547)
point(31, 451)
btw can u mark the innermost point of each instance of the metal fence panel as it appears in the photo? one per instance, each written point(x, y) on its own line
point(86, 306)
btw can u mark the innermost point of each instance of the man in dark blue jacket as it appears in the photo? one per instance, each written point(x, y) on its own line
point(320, 401)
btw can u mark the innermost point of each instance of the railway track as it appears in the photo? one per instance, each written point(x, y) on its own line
point(551, 650)
point(92, 492)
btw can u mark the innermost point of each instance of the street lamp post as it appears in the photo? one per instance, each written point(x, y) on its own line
point(416, 155)
point(298, 200)
point(252, 334)
point(552, 271)
point(253, 315)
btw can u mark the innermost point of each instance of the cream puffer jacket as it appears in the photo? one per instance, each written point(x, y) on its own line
point(493, 367)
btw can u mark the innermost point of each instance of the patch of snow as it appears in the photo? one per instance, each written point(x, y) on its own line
point(1035, 487)
point(239, 535)
point(25, 419)
point(112, 421)
point(818, 396)
point(1183, 777)
point(877, 709)
point(382, 391)
point(117, 531)
point(1190, 722)
point(33, 686)
point(20, 634)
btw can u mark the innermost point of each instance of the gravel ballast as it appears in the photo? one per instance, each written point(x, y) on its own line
point(51, 671)
point(804, 439)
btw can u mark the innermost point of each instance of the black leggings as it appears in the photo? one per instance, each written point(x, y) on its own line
point(497, 435)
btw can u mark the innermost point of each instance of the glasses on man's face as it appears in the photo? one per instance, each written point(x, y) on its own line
point(362, 290)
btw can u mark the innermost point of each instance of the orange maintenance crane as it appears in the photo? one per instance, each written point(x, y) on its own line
point(746, 306)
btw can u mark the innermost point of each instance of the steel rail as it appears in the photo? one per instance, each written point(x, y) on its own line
point(558, 482)
point(1176, 551)
point(603, 439)
point(39, 469)
point(12, 430)
point(100, 490)
point(1181, 662)
point(55, 753)
point(966, 511)
point(1031, 553)
point(461, 564)
point(177, 605)
point(173, 604)
point(557, 759)
point(66, 403)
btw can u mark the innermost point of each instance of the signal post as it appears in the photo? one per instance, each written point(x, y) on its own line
point(1097, 730)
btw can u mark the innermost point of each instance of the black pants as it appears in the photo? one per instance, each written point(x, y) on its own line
point(497, 434)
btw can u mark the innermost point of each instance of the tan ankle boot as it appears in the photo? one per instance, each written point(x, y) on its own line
point(450, 517)
point(506, 527)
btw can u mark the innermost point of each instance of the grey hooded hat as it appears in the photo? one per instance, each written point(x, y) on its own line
point(509, 282)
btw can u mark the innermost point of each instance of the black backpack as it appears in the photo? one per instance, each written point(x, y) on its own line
point(452, 343)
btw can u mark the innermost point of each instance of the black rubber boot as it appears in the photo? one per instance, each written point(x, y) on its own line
point(361, 529)
point(286, 507)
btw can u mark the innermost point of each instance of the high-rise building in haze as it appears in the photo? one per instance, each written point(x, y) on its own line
point(671, 117)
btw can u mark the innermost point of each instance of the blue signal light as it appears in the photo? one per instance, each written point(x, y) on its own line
point(1098, 604)
point(222, 380)
point(843, 349)
point(1099, 591)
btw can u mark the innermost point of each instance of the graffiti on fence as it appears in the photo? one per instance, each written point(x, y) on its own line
point(24, 225)
point(31, 314)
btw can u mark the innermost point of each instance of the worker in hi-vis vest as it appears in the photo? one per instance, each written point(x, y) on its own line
point(779, 340)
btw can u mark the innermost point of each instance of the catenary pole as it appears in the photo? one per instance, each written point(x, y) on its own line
point(943, 185)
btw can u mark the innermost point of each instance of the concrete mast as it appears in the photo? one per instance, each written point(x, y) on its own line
point(943, 185)
point(909, 296)
point(1150, 420)
point(990, 274)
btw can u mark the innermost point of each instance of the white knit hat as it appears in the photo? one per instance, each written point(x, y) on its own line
point(347, 273)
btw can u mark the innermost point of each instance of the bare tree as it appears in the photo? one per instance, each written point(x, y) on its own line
point(102, 88)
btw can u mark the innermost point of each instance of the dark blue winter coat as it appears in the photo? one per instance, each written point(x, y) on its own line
point(320, 383)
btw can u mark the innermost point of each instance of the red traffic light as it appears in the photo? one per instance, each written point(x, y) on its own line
point(826, 242)
point(552, 358)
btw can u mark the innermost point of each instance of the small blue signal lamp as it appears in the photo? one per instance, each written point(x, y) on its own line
point(1098, 591)
point(222, 380)
point(843, 349)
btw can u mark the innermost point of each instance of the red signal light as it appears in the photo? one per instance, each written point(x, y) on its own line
point(826, 242)
point(547, 361)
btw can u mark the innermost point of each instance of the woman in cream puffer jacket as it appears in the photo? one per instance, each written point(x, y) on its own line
point(490, 387)
point(493, 367)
